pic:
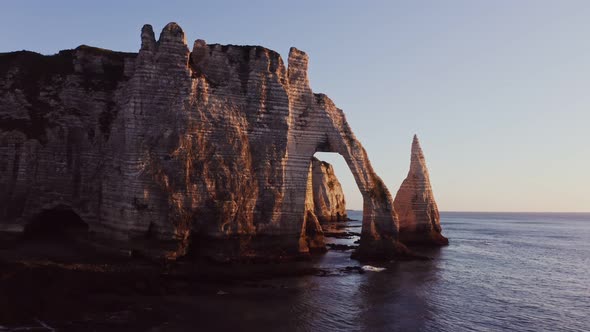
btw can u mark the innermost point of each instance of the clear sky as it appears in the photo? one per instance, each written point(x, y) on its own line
point(498, 91)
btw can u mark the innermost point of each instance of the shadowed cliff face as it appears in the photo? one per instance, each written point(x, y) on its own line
point(207, 150)
point(415, 204)
point(56, 116)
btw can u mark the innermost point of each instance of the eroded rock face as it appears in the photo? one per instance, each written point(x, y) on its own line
point(206, 151)
point(56, 125)
point(328, 198)
point(312, 233)
point(415, 205)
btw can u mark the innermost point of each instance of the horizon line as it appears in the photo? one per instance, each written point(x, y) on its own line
point(473, 211)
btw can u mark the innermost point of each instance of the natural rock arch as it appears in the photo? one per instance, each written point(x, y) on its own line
point(317, 125)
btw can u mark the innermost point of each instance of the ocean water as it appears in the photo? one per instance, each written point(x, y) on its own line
point(501, 272)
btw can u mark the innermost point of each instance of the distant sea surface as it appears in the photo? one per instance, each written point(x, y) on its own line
point(501, 272)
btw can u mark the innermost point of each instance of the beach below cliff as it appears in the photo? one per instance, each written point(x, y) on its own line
point(519, 272)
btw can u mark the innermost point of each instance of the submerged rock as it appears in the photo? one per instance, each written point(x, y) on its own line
point(419, 219)
point(174, 152)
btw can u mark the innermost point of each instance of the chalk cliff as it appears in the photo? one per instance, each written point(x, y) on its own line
point(328, 198)
point(419, 219)
point(175, 152)
point(312, 234)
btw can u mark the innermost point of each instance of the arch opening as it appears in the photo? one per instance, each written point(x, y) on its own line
point(337, 201)
point(353, 198)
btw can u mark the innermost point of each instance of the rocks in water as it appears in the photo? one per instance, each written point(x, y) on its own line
point(204, 152)
point(354, 269)
point(340, 247)
point(419, 219)
point(328, 197)
point(370, 268)
point(341, 234)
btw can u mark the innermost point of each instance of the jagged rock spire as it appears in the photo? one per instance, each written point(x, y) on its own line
point(171, 46)
point(417, 161)
point(297, 66)
point(148, 38)
point(419, 219)
point(172, 32)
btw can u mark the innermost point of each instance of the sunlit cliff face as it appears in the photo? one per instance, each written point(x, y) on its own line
point(208, 149)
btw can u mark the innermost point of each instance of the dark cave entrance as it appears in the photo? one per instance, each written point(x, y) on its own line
point(60, 223)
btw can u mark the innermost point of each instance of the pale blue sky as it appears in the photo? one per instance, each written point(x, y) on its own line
point(496, 90)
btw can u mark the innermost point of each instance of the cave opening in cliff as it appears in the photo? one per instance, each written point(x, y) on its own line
point(60, 224)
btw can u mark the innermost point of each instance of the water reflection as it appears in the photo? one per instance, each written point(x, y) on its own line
point(513, 272)
point(329, 302)
point(399, 297)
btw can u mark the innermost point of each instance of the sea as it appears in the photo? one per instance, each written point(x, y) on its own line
point(500, 272)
